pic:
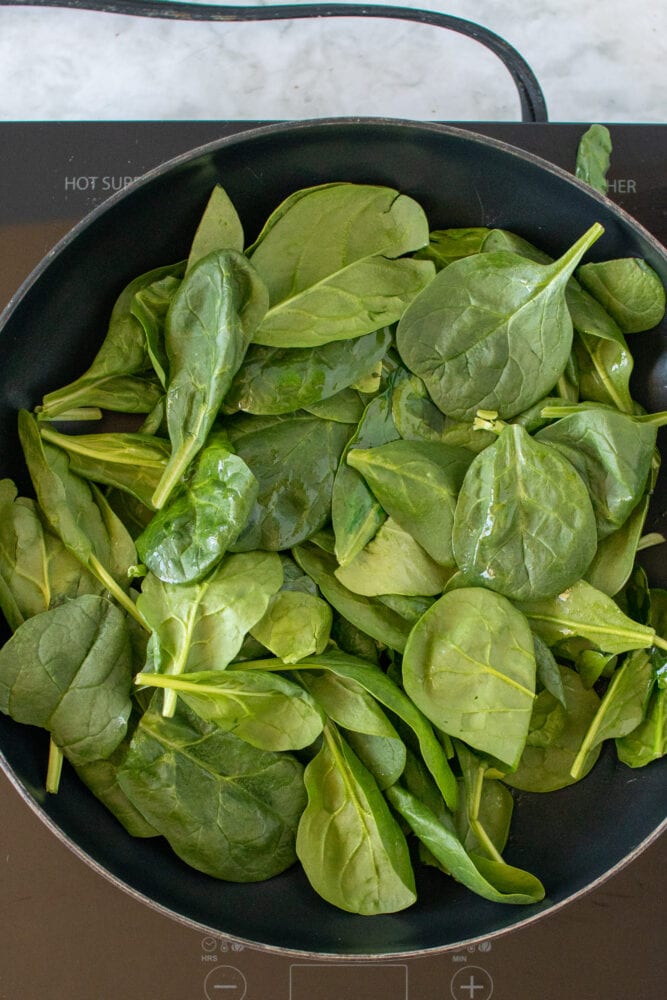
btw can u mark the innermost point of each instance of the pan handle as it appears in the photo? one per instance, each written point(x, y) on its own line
point(533, 105)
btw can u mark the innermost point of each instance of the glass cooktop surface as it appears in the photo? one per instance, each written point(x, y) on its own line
point(68, 931)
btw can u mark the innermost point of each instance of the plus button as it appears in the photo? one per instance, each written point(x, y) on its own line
point(471, 983)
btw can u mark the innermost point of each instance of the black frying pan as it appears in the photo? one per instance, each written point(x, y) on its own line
point(571, 838)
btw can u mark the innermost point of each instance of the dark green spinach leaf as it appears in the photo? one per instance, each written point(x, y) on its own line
point(465, 333)
point(208, 328)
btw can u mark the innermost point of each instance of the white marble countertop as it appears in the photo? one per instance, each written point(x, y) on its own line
point(596, 60)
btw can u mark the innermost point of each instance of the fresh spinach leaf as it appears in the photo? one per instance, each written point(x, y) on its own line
point(281, 380)
point(320, 230)
point(348, 842)
point(593, 157)
point(208, 327)
point(356, 515)
point(295, 625)
point(417, 484)
point(622, 708)
point(36, 570)
point(612, 453)
point(371, 617)
point(548, 670)
point(133, 462)
point(465, 333)
point(629, 290)
point(79, 515)
point(191, 533)
point(581, 610)
point(393, 563)
point(261, 708)
point(603, 362)
point(348, 284)
point(150, 305)
point(294, 459)
point(368, 730)
point(615, 556)
point(201, 626)
point(524, 523)
point(68, 670)
point(389, 694)
point(496, 881)
point(346, 407)
point(483, 817)
point(219, 227)
point(225, 807)
point(648, 742)
point(469, 665)
point(123, 353)
point(101, 777)
point(447, 245)
point(555, 735)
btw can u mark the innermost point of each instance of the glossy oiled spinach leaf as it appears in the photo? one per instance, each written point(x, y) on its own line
point(492, 331)
point(281, 380)
point(294, 459)
point(524, 523)
point(188, 537)
point(208, 328)
point(469, 665)
point(629, 289)
point(68, 670)
point(225, 807)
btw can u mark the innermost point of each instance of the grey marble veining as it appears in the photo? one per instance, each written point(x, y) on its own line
point(601, 60)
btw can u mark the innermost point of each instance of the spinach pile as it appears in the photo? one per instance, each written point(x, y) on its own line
point(365, 562)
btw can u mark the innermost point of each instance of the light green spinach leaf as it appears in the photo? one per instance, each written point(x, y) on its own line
point(469, 666)
point(350, 845)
